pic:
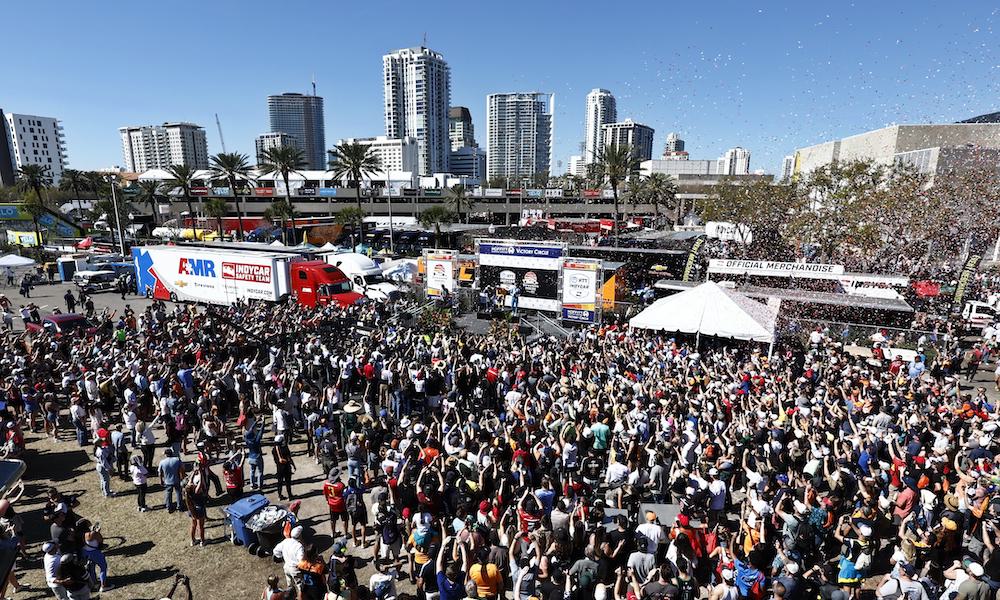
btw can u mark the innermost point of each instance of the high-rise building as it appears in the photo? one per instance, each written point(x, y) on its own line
point(146, 147)
point(787, 167)
point(31, 140)
point(301, 117)
point(577, 166)
point(417, 97)
point(637, 136)
point(736, 161)
point(394, 154)
point(674, 148)
point(518, 134)
point(460, 129)
point(267, 141)
point(468, 161)
point(601, 109)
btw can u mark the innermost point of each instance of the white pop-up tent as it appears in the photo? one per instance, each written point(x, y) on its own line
point(15, 262)
point(710, 310)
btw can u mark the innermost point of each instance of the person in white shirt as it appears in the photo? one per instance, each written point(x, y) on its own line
point(290, 551)
point(50, 563)
point(653, 532)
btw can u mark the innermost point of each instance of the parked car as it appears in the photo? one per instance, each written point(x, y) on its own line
point(63, 324)
point(96, 281)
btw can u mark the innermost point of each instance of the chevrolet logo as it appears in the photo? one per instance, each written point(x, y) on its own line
point(180, 283)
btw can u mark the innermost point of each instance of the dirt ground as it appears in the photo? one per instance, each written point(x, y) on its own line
point(146, 550)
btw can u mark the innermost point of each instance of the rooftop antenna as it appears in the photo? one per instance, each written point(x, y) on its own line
point(314, 84)
point(219, 125)
point(425, 39)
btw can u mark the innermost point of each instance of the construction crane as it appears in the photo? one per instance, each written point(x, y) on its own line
point(219, 125)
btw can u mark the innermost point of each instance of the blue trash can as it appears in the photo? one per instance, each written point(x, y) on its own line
point(237, 515)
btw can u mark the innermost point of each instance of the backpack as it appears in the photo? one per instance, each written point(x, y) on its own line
point(864, 559)
point(180, 421)
point(687, 589)
point(351, 501)
point(382, 589)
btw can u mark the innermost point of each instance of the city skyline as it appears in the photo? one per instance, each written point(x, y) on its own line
point(805, 75)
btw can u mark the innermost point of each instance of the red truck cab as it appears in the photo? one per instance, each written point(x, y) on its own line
point(316, 283)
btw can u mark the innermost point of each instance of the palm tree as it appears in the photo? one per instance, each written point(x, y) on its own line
point(283, 160)
point(354, 162)
point(96, 183)
point(182, 178)
point(282, 210)
point(660, 190)
point(34, 178)
point(232, 167)
point(458, 197)
point(150, 192)
point(352, 217)
point(434, 217)
point(615, 164)
point(74, 179)
point(217, 208)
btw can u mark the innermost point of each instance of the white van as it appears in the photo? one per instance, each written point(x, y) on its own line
point(978, 314)
point(365, 275)
point(96, 281)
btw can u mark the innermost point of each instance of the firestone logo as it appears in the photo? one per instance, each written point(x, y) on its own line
point(198, 267)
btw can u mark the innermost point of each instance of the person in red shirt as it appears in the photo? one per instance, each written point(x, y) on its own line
point(232, 473)
point(333, 491)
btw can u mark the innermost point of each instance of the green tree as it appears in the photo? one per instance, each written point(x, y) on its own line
point(353, 217)
point(284, 160)
point(434, 217)
point(217, 208)
point(182, 177)
point(98, 184)
point(35, 178)
point(768, 211)
point(75, 180)
point(497, 182)
point(150, 192)
point(615, 164)
point(282, 210)
point(857, 208)
point(234, 168)
point(354, 162)
point(460, 201)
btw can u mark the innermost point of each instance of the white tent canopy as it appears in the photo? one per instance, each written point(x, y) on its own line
point(710, 310)
point(14, 261)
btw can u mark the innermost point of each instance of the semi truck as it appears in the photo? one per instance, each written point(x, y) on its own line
point(365, 275)
point(223, 276)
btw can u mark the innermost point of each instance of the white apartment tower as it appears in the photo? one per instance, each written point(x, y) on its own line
point(31, 140)
point(736, 161)
point(394, 154)
point(146, 147)
point(637, 136)
point(268, 141)
point(518, 134)
point(601, 110)
point(417, 97)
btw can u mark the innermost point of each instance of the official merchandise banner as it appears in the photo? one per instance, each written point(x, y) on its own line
point(769, 268)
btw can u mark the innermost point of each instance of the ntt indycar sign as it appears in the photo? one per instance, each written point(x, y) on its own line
point(770, 268)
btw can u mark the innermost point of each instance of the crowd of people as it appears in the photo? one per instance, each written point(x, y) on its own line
point(614, 463)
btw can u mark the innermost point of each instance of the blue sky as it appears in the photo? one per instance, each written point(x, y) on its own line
point(768, 76)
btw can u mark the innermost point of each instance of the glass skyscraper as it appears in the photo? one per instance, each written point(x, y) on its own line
point(301, 117)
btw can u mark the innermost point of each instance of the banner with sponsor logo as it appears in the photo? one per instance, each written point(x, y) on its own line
point(327, 192)
point(200, 191)
point(222, 191)
point(968, 271)
point(306, 191)
point(692, 256)
point(729, 232)
point(554, 193)
point(493, 193)
point(267, 192)
point(530, 268)
point(581, 280)
point(535, 193)
point(770, 268)
point(440, 268)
